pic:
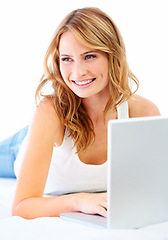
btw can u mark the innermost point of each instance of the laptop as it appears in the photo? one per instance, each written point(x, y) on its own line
point(137, 184)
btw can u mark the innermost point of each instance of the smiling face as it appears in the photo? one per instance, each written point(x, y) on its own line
point(84, 70)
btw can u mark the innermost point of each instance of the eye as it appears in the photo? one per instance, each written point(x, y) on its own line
point(90, 56)
point(66, 59)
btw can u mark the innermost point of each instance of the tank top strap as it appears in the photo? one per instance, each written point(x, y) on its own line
point(123, 111)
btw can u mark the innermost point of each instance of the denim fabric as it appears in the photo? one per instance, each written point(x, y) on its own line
point(8, 152)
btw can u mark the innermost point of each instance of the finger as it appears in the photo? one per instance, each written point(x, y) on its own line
point(104, 204)
point(102, 211)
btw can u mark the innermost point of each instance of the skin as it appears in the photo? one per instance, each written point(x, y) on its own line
point(77, 63)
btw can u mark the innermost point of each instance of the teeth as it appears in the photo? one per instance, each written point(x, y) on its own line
point(84, 82)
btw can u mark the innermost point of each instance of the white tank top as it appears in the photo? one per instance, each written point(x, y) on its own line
point(67, 174)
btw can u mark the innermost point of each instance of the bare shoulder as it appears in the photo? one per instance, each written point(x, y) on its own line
point(142, 107)
point(47, 121)
point(46, 105)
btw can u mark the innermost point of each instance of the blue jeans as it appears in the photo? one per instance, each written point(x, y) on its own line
point(8, 152)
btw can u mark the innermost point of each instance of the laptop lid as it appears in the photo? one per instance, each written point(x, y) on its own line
point(137, 172)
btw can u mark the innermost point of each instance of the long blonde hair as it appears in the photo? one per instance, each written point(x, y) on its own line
point(96, 30)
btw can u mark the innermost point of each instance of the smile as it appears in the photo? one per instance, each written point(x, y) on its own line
point(84, 82)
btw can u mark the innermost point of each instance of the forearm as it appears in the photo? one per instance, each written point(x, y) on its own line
point(44, 206)
point(34, 207)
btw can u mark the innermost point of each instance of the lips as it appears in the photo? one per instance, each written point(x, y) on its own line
point(84, 82)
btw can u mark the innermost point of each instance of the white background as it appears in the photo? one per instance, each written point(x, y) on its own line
point(26, 28)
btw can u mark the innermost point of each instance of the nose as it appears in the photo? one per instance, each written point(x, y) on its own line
point(79, 70)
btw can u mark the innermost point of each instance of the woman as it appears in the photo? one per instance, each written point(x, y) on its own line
point(65, 151)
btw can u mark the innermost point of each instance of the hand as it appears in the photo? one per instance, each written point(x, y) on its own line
point(92, 203)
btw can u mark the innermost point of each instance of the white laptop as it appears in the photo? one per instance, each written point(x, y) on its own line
point(137, 175)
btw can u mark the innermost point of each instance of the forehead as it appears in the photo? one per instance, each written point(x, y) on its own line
point(69, 43)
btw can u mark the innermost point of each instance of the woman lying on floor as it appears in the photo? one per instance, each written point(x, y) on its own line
point(64, 152)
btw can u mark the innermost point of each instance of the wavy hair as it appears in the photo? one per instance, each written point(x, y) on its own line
point(96, 30)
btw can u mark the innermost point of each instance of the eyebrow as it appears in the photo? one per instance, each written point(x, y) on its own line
point(88, 52)
point(82, 54)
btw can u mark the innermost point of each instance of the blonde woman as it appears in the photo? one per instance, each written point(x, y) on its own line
point(65, 151)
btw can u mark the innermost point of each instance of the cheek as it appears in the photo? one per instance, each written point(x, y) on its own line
point(102, 71)
point(105, 69)
point(64, 71)
point(100, 67)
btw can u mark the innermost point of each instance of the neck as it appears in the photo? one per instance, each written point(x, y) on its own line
point(95, 106)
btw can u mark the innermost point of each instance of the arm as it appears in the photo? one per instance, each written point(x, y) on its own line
point(45, 130)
